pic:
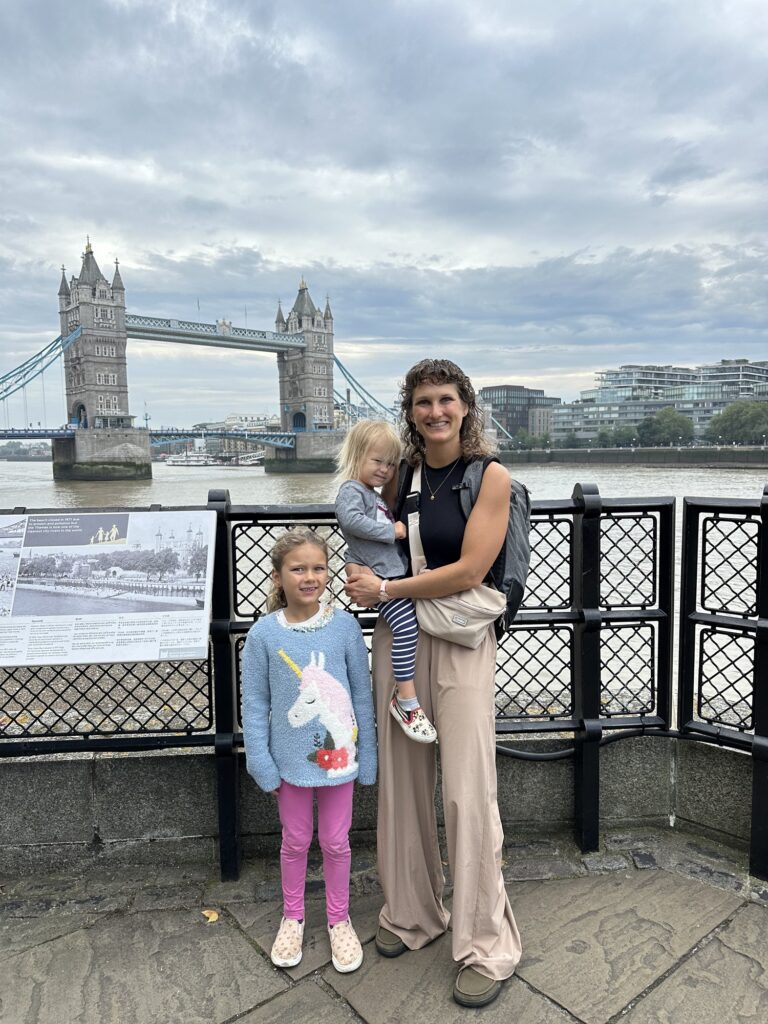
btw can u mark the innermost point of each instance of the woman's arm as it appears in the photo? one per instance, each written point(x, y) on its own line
point(483, 538)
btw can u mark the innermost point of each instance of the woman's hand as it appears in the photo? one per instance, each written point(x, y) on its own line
point(363, 589)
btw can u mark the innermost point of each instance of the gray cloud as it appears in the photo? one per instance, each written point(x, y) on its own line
point(539, 192)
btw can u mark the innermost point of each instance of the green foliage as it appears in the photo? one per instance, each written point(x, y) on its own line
point(667, 426)
point(743, 422)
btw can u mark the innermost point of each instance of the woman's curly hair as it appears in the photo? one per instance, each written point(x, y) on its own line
point(475, 443)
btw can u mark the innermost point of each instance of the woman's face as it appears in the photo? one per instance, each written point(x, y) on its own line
point(438, 412)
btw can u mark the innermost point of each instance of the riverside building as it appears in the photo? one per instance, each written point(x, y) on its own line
point(624, 397)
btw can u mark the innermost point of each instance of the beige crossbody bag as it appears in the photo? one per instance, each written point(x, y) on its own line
point(461, 618)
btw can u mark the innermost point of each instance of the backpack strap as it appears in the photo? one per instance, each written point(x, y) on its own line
point(404, 479)
point(471, 483)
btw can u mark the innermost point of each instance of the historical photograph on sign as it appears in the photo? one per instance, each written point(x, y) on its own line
point(11, 536)
point(91, 563)
point(101, 586)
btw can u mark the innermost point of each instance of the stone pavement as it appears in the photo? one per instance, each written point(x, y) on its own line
point(660, 926)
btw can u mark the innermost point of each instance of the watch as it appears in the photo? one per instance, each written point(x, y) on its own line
point(383, 595)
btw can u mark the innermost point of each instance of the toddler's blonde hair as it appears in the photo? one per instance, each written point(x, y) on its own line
point(359, 440)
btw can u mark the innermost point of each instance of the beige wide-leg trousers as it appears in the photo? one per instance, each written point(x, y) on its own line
point(455, 688)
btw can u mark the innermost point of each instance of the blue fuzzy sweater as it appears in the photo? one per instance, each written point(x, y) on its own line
point(307, 704)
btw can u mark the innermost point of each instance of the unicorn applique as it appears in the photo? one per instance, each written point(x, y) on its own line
point(323, 697)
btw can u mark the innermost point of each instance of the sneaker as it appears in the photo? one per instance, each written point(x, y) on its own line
point(286, 949)
point(346, 951)
point(414, 724)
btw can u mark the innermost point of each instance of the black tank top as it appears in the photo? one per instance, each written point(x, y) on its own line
point(441, 521)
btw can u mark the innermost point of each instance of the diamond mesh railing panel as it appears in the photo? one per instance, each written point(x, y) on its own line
point(729, 565)
point(549, 577)
point(534, 673)
point(251, 545)
point(726, 661)
point(106, 700)
point(628, 669)
point(628, 543)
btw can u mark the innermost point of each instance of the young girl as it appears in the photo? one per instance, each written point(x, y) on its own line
point(367, 460)
point(309, 732)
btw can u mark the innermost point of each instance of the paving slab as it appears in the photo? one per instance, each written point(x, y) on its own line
point(725, 982)
point(17, 935)
point(308, 1003)
point(418, 986)
point(260, 922)
point(594, 944)
point(139, 969)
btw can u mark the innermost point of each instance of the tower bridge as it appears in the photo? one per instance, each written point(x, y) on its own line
point(100, 441)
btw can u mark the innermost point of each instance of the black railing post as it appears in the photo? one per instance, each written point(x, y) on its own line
point(758, 847)
point(586, 665)
point(227, 761)
point(686, 669)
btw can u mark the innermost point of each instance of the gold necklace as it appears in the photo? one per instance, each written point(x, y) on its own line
point(432, 493)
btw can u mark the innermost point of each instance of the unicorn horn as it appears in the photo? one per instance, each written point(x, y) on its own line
point(290, 662)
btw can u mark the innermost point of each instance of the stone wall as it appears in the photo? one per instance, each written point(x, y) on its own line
point(161, 807)
point(103, 455)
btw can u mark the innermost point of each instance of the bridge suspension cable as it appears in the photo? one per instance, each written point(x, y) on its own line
point(367, 398)
point(18, 378)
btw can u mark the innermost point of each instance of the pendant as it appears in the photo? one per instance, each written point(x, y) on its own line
point(431, 497)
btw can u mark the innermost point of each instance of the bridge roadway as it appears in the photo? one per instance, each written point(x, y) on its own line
point(275, 438)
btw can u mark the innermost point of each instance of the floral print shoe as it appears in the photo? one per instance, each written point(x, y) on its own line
point(414, 724)
point(286, 949)
point(346, 951)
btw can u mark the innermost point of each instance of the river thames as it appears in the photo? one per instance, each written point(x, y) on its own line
point(31, 485)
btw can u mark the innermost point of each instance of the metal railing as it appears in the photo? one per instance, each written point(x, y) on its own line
point(589, 654)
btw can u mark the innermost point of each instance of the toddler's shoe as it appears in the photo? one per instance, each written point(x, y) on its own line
point(346, 951)
point(286, 949)
point(414, 724)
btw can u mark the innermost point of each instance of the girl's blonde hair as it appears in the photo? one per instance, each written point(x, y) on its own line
point(284, 545)
point(359, 440)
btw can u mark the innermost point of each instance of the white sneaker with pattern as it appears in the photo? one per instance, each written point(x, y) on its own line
point(346, 951)
point(286, 949)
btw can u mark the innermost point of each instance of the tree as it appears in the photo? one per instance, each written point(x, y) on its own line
point(743, 422)
point(667, 426)
point(624, 437)
point(198, 562)
point(604, 438)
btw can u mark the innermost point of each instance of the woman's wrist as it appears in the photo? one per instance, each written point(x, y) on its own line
point(383, 595)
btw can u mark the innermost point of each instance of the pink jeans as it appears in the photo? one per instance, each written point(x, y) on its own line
point(334, 817)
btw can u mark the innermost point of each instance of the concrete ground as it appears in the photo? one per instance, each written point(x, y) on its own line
point(660, 926)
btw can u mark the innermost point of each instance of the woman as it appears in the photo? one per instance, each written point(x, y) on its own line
point(443, 430)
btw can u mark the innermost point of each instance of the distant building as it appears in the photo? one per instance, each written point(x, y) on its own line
point(95, 373)
point(628, 395)
point(512, 406)
point(306, 375)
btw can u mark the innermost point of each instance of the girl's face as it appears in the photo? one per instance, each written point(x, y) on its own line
point(438, 412)
point(303, 577)
point(376, 468)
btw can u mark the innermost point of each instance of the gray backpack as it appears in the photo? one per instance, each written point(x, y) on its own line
point(510, 570)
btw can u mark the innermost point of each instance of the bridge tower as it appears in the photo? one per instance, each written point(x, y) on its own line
point(105, 446)
point(306, 377)
point(95, 371)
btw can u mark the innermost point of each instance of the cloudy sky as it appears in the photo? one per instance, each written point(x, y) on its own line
point(538, 191)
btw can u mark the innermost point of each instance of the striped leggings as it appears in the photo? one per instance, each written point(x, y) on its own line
point(400, 615)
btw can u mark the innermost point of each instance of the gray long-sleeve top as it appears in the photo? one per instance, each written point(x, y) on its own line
point(369, 530)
